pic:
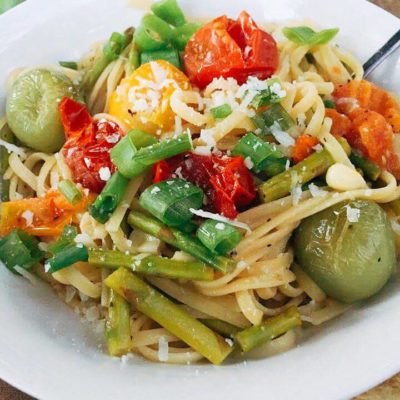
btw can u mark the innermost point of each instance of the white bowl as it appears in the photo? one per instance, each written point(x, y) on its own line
point(47, 352)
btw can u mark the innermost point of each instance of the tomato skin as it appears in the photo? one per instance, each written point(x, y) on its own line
point(229, 48)
point(226, 182)
point(88, 144)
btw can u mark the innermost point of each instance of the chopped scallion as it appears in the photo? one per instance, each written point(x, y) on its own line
point(218, 236)
point(70, 191)
point(274, 114)
point(170, 201)
point(19, 249)
point(67, 237)
point(108, 200)
point(329, 104)
point(67, 256)
point(221, 112)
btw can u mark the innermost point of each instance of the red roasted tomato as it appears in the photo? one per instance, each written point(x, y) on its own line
point(88, 145)
point(228, 48)
point(226, 182)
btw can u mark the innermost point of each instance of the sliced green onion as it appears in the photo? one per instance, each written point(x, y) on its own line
point(115, 45)
point(67, 237)
point(19, 249)
point(369, 169)
point(123, 152)
point(6, 5)
point(170, 55)
point(180, 240)
point(182, 34)
point(153, 33)
point(67, 256)
point(305, 36)
point(274, 114)
point(70, 191)
point(151, 265)
point(169, 11)
point(218, 236)
point(108, 200)
point(329, 104)
point(132, 164)
point(221, 112)
point(69, 64)
point(270, 329)
point(257, 150)
point(170, 201)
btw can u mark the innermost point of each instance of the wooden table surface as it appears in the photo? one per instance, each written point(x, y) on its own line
point(389, 390)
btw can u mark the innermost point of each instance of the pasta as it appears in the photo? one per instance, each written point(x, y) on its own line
point(263, 275)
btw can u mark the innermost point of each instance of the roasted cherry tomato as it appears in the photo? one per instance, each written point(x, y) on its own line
point(41, 216)
point(226, 181)
point(88, 145)
point(142, 100)
point(303, 147)
point(229, 48)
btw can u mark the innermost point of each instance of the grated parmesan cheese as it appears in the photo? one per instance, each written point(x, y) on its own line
point(296, 195)
point(352, 214)
point(26, 274)
point(221, 218)
point(104, 173)
point(248, 163)
point(282, 137)
point(220, 226)
point(316, 191)
point(27, 215)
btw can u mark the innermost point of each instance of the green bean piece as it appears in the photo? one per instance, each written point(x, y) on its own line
point(180, 240)
point(19, 249)
point(159, 308)
point(169, 55)
point(118, 325)
point(169, 11)
point(224, 328)
point(6, 135)
point(109, 198)
point(273, 327)
point(369, 169)
point(153, 33)
point(182, 34)
point(113, 48)
point(311, 167)
point(171, 201)
point(151, 265)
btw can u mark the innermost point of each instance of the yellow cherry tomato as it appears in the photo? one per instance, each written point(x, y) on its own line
point(142, 100)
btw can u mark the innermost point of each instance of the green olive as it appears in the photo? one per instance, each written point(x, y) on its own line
point(350, 261)
point(32, 108)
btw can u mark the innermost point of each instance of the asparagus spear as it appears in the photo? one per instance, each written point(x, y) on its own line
point(222, 327)
point(111, 51)
point(118, 328)
point(370, 170)
point(268, 330)
point(180, 240)
point(156, 306)
point(314, 165)
point(152, 265)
